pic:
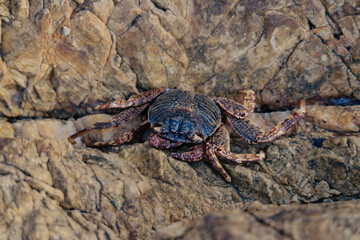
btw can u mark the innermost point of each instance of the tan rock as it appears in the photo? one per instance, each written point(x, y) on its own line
point(75, 61)
point(314, 11)
point(323, 75)
point(156, 55)
point(348, 27)
point(20, 9)
point(5, 14)
point(317, 221)
point(174, 16)
point(6, 129)
point(98, 189)
point(61, 58)
point(101, 8)
point(65, 59)
point(335, 118)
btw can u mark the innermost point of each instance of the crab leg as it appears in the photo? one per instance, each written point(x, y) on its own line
point(159, 142)
point(133, 100)
point(210, 151)
point(219, 144)
point(115, 121)
point(241, 158)
point(249, 101)
point(126, 137)
point(281, 128)
point(250, 132)
point(236, 109)
point(196, 154)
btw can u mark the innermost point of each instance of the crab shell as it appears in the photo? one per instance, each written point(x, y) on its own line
point(181, 116)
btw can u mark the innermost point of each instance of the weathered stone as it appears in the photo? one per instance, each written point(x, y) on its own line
point(323, 75)
point(6, 129)
point(101, 8)
point(61, 58)
point(291, 172)
point(156, 56)
point(335, 118)
point(317, 221)
point(103, 188)
point(20, 9)
point(212, 47)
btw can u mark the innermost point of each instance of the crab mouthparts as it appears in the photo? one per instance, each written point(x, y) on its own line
point(189, 136)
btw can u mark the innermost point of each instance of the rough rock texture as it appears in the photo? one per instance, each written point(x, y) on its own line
point(321, 221)
point(48, 189)
point(60, 58)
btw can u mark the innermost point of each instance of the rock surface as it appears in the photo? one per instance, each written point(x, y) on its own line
point(58, 58)
point(61, 58)
point(320, 221)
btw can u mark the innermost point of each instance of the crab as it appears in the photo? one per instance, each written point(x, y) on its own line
point(179, 117)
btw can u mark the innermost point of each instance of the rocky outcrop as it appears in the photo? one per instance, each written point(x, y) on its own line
point(61, 58)
point(327, 220)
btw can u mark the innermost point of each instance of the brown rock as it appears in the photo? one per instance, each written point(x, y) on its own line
point(323, 75)
point(61, 58)
point(317, 221)
point(155, 55)
point(6, 129)
point(335, 118)
point(299, 167)
point(283, 50)
point(102, 9)
point(20, 9)
point(100, 192)
point(80, 56)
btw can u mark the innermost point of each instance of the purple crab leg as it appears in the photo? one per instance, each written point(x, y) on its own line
point(133, 100)
point(115, 121)
point(219, 144)
point(222, 146)
point(236, 109)
point(126, 137)
point(156, 141)
point(250, 132)
point(249, 101)
point(196, 154)
point(241, 158)
point(283, 126)
point(210, 151)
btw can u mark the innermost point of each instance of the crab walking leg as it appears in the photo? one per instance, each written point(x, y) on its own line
point(133, 100)
point(231, 107)
point(156, 141)
point(249, 101)
point(245, 129)
point(196, 154)
point(283, 126)
point(115, 121)
point(210, 151)
point(221, 142)
point(241, 158)
point(126, 137)
point(250, 132)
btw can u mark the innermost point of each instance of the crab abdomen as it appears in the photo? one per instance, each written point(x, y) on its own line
point(182, 114)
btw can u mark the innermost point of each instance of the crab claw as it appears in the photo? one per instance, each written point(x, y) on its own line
point(262, 154)
point(195, 138)
point(302, 109)
point(71, 139)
